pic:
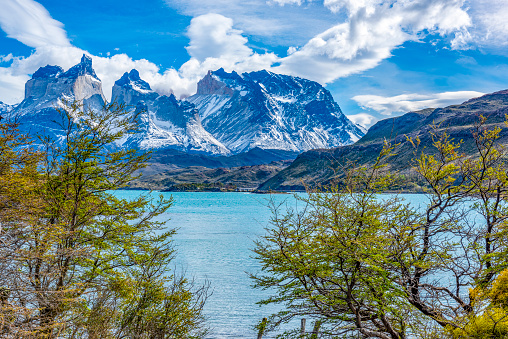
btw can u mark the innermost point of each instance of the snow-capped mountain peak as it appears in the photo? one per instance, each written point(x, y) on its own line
point(165, 122)
point(231, 113)
point(83, 68)
point(132, 80)
point(271, 111)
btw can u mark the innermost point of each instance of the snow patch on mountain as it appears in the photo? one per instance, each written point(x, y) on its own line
point(5, 108)
point(231, 113)
point(166, 121)
point(271, 111)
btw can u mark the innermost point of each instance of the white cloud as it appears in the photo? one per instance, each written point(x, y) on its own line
point(30, 23)
point(213, 36)
point(370, 34)
point(11, 87)
point(412, 102)
point(286, 2)
point(489, 29)
point(352, 6)
point(6, 58)
point(363, 119)
point(214, 43)
point(291, 50)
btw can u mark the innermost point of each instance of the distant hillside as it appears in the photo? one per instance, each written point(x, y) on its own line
point(318, 166)
point(242, 177)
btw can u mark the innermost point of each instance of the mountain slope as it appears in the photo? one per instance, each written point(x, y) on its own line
point(4, 108)
point(49, 88)
point(229, 115)
point(319, 166)
point(271, 111)
point(165, 122)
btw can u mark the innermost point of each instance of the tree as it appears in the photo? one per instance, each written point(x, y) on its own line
point(373, 266)
point(78, 261)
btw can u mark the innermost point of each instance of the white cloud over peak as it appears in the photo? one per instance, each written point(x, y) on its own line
point(412, 102)
point(363, 119)
point(30, 23)
point(214, 43)
point(213, 36)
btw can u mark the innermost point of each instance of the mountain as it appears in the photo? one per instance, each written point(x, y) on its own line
point(271, 111)
point(230, 114)
point(49, 87)
point(165, 122)
point(243, 177)
point(4, 108)
point(50, 84)
point(318, 166)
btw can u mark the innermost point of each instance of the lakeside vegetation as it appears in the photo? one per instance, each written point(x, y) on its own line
point(202, 187)
point(78, 262)
point(364, 266)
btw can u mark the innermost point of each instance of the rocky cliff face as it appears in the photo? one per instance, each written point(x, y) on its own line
point(47, 90)
point(51, 83)
point(272, 111)
point(165, 121)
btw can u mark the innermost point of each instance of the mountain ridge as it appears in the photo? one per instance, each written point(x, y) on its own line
point(271, 111)
point(320, 166)
point(264, 110)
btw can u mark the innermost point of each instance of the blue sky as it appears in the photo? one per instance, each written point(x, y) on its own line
point(378, 58)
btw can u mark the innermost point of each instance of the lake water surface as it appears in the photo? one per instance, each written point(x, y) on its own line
point(214, 243)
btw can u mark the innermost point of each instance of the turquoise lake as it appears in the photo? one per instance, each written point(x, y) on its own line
point(214, 242)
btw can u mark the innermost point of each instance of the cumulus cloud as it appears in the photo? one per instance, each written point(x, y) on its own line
point(489, 29)
point(363, 119)
point(30, 23)
point(412, 102)
point(372, 31)
point(286, 2)
point(213, 36)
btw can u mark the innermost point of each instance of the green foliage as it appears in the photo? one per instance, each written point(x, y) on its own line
point(79, 262)
point(333, 259)
point(202, 187)
point(372, 266)
point(490, 316)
